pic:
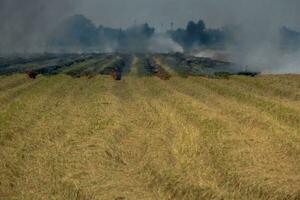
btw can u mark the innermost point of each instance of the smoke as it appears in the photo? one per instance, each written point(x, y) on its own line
point(259, 40)
point(123, 13)
point(288, 63)
point(261, 49)
point(260, 20)
point(163, 44)
point(24, 24)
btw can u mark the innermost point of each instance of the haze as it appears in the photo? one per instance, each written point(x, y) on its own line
point(215, 12)
point(25, 24)
point(123, 13)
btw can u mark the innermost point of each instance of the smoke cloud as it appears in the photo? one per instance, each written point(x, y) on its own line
point(258, 13)
point(25, 24)
point(260, 20)
point(163, 44)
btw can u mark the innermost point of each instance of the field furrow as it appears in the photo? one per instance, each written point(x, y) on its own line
point(9, 82)
point(275, 89)
point(146, 138)
point(276, 110)
point(11, 94)
point(230, 135)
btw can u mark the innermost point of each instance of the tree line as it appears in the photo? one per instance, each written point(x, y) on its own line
point(81, 33)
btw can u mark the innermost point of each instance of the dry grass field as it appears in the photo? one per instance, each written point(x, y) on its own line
point(188, 138)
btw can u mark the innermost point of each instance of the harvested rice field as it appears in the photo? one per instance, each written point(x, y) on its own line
point(76, 133)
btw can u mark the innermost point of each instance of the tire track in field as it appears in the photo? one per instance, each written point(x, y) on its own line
point(79, 67)
point(134, 66)
point(86, 141)
point(289, 82)
point(269, 88)
point(166, 67)
point(101, 139)
point(126, 144)
point(95, 67)
point(56, 130)
point(118, 141)
point(46, 149)
point(199, 88)
point(12, 94)
point(173, 130)
point(11, 82)
point(289, 98)
point(185, 102)
point(4, 78)
point(98, 168)
point(280, 113)
point(19, 119)
point(247, 115)
point(170, 110)
point(23, 111)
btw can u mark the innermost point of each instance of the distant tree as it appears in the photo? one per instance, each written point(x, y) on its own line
point(201, 26)
point(196, 34)
point(140, 31)
point(191, 29)
point(214, 37)
point(232, 34)
point(191, 33)
point(147, 30)
point(135, 38)
point(201, 35)
point(75, 31)
point(289, 39)
point(179, 36)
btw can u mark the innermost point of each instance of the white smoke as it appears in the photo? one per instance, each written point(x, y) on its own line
point(288, 63)
point(163, 44)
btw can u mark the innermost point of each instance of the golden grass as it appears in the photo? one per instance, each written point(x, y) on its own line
point(144, 138)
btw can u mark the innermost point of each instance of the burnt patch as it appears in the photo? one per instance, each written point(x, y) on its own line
point(32, 74)
point(250, 74)
point(16, 60)
point(162, 73)
point(155, 69)
point(119, 64)
point(50, 66)
point(117, 68)
point(55, 69)
point(202, 66)
point(116, 74)
point(222, 75)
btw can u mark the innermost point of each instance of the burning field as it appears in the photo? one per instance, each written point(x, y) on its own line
point(78, 65)
point(146, 126)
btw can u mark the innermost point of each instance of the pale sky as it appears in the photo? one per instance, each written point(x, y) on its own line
point(23, 22)
point(123, 13)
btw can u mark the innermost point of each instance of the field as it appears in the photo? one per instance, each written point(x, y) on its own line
point(189, 137)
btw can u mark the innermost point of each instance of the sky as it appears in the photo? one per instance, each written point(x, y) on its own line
point(24, 23)
point(217, 13)
point(261, 20)
point(38, 16)
point(123, 13)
